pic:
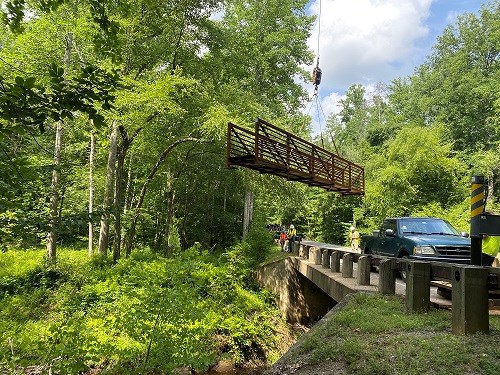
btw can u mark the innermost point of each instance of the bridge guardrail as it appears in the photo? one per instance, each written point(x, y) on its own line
point(470, 285)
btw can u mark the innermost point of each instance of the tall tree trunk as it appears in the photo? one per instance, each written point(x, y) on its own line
point(170, 197)
point(151, 175)
point(118, 202)
point(247, 213)
point(129, 187)
point(91, 190)
point(54, 198)
point(108, 194)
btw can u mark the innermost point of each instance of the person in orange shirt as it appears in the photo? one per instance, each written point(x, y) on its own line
point(282, 240)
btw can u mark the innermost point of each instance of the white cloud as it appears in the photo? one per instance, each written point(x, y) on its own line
point(367, 41)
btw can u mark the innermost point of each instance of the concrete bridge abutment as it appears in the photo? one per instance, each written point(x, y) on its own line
point(299, 299)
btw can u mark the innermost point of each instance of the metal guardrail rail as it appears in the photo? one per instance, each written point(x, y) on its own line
point(270, 149)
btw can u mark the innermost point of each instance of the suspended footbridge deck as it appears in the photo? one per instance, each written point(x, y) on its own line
point(272, 150)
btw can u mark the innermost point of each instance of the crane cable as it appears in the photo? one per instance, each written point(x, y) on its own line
point(316, 78)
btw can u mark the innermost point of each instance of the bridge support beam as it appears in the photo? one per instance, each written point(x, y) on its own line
point(469, 297)
point(387, 276)
point(364, 265)
point(418, 283)
point(335, 261)
point(347, 265)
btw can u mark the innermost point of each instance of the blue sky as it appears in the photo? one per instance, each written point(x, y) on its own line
point(374, 41)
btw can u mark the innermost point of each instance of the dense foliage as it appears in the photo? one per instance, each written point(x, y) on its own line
point(168, 86)
point(144, 314)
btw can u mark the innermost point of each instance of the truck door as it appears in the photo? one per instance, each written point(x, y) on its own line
point(387, 245)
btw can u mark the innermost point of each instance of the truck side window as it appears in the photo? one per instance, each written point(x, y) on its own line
point(389, 224)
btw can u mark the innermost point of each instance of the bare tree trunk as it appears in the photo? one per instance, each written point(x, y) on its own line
point(170, 218)
point(247, 213)
point(54, 198)
point(128, 189)
point(118, 203)
point(152, 173)
point(122, 153)
point(91, 190)
point(108, 194)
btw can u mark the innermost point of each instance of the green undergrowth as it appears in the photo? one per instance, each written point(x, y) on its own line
point(146, 314)
point(375, 335)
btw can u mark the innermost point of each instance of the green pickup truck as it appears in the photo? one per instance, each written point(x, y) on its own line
point(422, 238)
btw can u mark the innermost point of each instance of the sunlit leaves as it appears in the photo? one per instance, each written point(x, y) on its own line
point(28, 103)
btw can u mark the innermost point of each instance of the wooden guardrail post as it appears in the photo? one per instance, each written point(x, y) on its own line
point(325, 259)
point(418, 283)
point(387, 276)
point(305, 252)
point(364, 265)
point(335, 261)
point(469, 297)
point(347, 265)
point(316, 255)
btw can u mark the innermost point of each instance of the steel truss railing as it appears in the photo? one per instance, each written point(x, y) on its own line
point(270, 149)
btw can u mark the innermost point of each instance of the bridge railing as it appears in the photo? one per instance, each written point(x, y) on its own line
point(470, 285)
point(270, 149)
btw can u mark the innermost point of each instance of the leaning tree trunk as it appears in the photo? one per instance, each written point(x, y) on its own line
point(108, 193)
point(54, 198)
point(91, 191)
point(151, 175)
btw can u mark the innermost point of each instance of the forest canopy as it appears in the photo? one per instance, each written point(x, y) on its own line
point(113, 121)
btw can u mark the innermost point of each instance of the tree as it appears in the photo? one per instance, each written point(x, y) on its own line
point(456, 84)
point(416, 169)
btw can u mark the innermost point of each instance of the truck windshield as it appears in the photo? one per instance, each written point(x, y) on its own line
point(427, 226)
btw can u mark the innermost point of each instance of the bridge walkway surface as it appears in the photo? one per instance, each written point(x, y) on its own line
point(337, 286)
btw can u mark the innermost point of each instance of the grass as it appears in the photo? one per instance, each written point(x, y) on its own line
point(375, 335)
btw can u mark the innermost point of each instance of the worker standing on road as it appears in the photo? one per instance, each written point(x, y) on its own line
point(292, 233)
point(354, 236)
point(490, 249)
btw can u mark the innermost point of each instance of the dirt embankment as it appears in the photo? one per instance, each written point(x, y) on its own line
point(298, 364)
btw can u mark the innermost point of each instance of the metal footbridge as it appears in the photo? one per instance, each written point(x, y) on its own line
point(269, 149)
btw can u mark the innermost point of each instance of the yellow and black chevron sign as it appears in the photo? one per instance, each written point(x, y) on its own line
point(477, 202)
